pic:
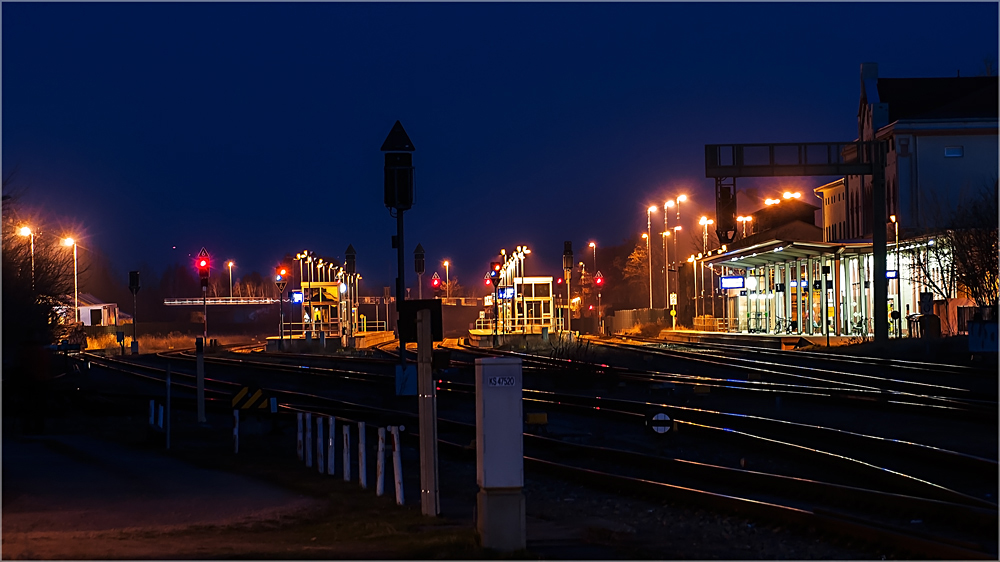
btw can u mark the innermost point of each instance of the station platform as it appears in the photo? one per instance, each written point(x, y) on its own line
point(362, 340)
point(769, 341)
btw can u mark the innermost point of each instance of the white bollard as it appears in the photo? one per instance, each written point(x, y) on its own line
point(309, 444)
point(319, 444)
point(347, 453)
point(380, 464)
point(362, 473)
point(329, 447)
point(298, 442)
point(159, 419)
point(236, 431)
point(397, 464)
point(152, 406)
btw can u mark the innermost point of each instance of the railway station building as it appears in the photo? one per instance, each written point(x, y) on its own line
point(787, 275)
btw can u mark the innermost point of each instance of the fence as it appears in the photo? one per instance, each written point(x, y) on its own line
point(968, 313)
point(624, 320)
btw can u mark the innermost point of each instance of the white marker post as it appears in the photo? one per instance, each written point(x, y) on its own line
point(309, 436)
point(380, 464)
point(362, 473)
point(329, 447)
point(319, 444)
point(347, 453)
point(298, 436)
point(500, 454)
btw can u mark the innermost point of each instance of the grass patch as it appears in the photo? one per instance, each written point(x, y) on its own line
point(155, 343)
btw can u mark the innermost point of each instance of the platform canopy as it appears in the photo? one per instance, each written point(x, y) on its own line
point(781, 251)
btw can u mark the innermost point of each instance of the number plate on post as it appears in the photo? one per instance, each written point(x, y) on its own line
point(500, 381)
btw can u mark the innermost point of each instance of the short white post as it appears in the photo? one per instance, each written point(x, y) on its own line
point(380, 464)
point(152, 406)
point(309, 436)
point(298, 442)
point(397, 464)
point(236, 431)
point(347, 453)
point(319, 444)
point(329, 447)
point(159, 418)
point(362, 473)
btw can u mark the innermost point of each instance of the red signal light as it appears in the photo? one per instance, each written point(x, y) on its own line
point(488, 281)
point(599, 280)
point(203, 263)
point(559, 281)
point(435, 283)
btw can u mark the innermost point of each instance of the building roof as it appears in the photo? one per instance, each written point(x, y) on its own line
point(939, 98)
point(780, 251)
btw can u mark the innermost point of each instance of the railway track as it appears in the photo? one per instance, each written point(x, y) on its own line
point(948, 529)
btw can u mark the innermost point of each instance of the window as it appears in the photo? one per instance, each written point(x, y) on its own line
point(541, 289)
point(954, 151)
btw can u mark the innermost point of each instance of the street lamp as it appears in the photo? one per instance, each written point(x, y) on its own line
point(594, 246)
point(649, 233)
point(680, 199)
point(694, 284)
point(704, 221)
point(230, 264)
point(744, 220)
point(447, 283)
point(521, 252)
point(76, 290)
point(26, 231)
point(899, 279)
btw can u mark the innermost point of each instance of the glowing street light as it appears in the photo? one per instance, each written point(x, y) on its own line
point(26, 231)
point(447, 283)
point(744, 220)
point(230, 264)
point(76, 287)
point(594, 246)
point(790, 195)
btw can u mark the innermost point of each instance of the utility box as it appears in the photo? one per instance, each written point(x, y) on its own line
point(500, 453)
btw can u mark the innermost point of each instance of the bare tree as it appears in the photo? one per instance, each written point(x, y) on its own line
point(975, 248)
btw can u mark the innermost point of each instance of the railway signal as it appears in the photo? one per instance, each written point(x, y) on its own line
point(598, 279)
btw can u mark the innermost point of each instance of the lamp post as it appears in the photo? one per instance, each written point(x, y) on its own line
point(649, 234)
point(646, 238)
point(521, 252)
point(899, 295)
point(680, 199)
point(447, 280)
point(76, 291)
point(744, 220)
point(704, 221)
point(694, 284)
point(26, 231)
point(594, 246)
point(230, 264)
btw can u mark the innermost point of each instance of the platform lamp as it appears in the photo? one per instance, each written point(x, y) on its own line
point(76, 291)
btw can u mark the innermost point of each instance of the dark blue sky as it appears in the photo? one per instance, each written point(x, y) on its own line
point(254, 129)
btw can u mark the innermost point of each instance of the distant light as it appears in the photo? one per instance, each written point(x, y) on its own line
point(772, 201)
point(787, 195)
point(343, 288)
point(25, 231)
point(682, 198)
point(669, 204)
point(651, 209)
point(231, 265)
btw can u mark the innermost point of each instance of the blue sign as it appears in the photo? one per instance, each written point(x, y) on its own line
point(296, 296)
point(507, 293)
point(892, 274)
point(732, 282)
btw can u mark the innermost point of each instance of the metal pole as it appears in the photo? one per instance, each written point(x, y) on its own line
point(230, 280)
point(200, 377)
point(524, 308)
point(447, 282)
point(666, 259)
point(429, 498)
point(135, 317)
point(167, 428)
point(899, 282)
point(204, 308)
point(76, 293)
point(400, 283)
point(33, 260)
point(649, 234)
point(880, 282)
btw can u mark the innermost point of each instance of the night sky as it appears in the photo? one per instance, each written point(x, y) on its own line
point(254, 129)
